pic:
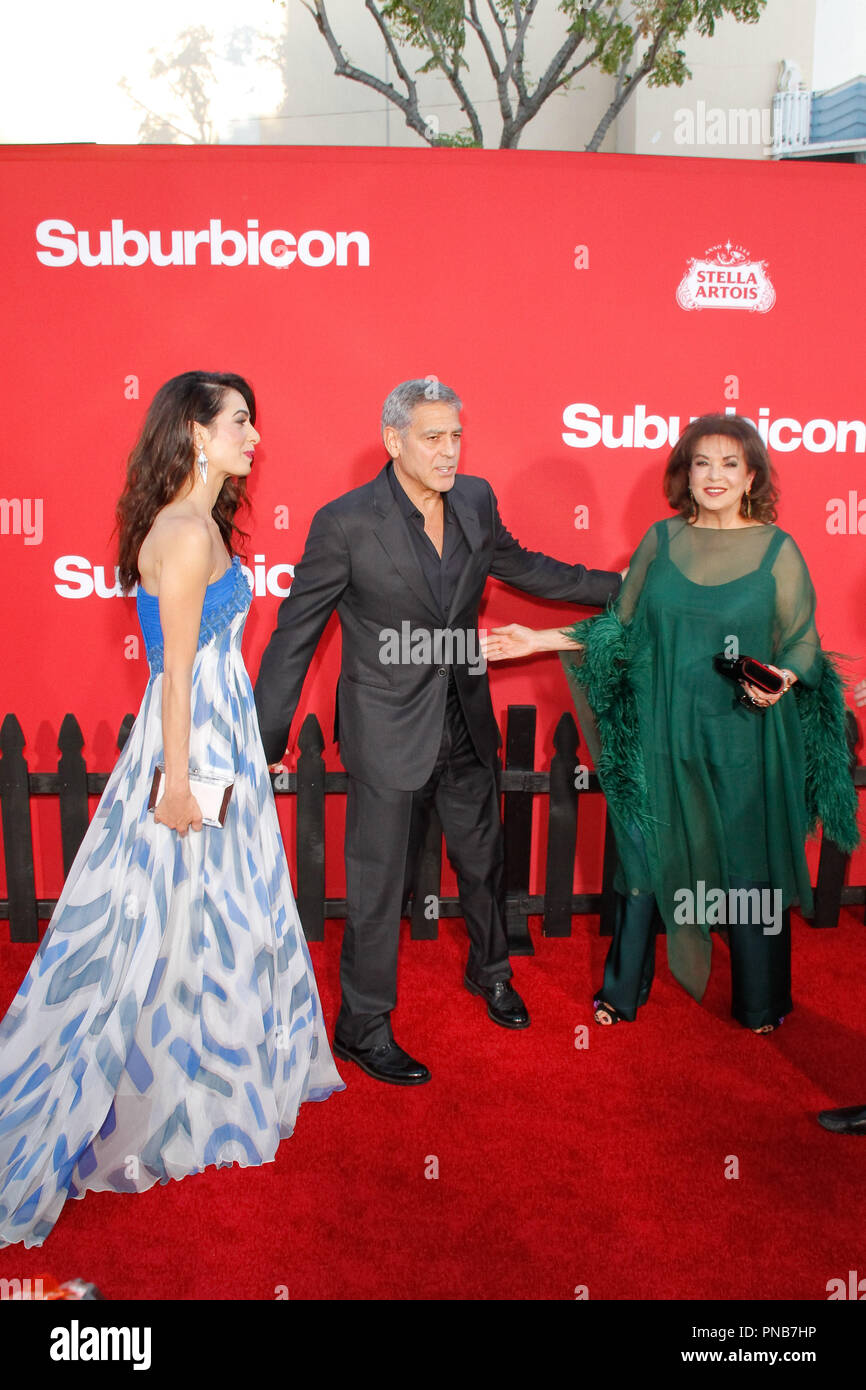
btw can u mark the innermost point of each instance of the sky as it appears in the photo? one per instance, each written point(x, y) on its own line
point(61, 63)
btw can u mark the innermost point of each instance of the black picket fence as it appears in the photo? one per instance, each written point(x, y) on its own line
point(520, 783)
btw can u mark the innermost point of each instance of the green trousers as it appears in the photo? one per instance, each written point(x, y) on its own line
point(760, 962)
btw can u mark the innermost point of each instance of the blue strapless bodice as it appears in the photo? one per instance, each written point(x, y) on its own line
point(227, 596)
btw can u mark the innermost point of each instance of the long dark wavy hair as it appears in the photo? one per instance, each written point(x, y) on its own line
point(764, 493)
point(164, 457)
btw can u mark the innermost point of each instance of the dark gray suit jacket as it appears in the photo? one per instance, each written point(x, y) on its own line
point(359, 559)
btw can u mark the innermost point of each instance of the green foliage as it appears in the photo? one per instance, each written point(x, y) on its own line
point(439, 27)
point(655, 22)
point(463, 140)
point(604, 29)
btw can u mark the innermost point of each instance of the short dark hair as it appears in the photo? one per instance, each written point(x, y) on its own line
point(764, 493)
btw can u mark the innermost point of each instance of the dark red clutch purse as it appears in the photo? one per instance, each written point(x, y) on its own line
point(746, 668)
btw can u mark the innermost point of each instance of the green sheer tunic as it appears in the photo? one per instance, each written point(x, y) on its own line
point(700, 789)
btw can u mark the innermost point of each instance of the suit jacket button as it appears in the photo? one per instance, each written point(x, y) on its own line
point(442, 671)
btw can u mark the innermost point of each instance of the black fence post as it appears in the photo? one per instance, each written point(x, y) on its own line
point(832, 868)
point(519, 757)
point(17, 834)
point(310, 835)
point(427, 889)
point(124, 731)
point(561, 829)
point(72, 789)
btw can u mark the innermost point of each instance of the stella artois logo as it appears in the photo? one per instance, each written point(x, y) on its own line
point(726, 278)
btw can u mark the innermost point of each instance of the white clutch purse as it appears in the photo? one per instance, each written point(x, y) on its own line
point(213, 795)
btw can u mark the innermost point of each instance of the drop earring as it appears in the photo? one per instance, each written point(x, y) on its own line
point(749, 505)
point(202, 464)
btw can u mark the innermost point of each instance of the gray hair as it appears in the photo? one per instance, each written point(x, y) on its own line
point(397, 410)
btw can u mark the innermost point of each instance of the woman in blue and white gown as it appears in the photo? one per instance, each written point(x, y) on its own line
point(170, 1019)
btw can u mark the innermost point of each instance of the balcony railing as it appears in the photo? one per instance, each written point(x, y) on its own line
point(792, 114)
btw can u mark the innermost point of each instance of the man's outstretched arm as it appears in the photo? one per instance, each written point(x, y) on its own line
point(320, 579)
point(540, 574)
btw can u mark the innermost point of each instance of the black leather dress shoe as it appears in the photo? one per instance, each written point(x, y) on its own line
point(388, 1062)
point(851, 1119)
point(504, 1004)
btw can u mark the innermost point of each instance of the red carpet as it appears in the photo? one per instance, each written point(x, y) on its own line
point(559, 1167)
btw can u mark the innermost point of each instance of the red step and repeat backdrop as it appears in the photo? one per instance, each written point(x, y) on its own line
point(584, 306)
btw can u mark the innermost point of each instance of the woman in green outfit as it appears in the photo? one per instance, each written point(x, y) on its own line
point(712, 786)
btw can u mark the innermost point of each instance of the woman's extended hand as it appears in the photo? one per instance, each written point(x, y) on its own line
point(503, 643)
point(179, 812)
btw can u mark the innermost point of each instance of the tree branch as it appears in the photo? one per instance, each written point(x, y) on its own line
point(472, 19)
point(627, 85)
point(519, 35)
point(518, 75)
point(393, 51)
point(500, 23)
point(548, 82)
point(449, 65)
point(475, 24)
point(343, 68)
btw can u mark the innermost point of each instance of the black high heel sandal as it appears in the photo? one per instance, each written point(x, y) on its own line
point(767, 1028)
point(600, 1007)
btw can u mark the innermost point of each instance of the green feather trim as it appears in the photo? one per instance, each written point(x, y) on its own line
point(831, 797)
point(605, 676)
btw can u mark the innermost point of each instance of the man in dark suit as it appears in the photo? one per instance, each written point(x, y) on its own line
point(404, 560)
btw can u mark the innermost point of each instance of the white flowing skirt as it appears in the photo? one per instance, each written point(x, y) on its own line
point(170, 1019)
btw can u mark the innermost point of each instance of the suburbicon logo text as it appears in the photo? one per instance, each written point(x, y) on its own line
point(63, 244)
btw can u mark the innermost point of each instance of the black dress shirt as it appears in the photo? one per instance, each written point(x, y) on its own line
point(441, 572)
